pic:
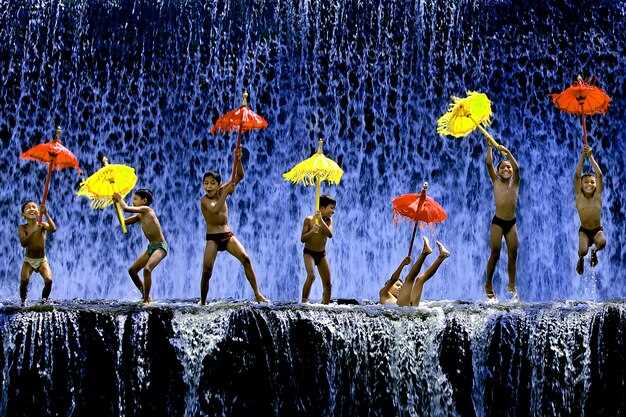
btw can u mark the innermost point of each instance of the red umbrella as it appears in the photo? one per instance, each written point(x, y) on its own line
point(239, 120)
point(418, 207)
point(583, 99)
point(55, 155)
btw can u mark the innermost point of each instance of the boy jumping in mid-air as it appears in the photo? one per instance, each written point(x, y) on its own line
point(316, 230)
point(219, 236)
point(157, 246)
point(588, 193)
point(505, 191)
point(33, 238)
point(409, 292)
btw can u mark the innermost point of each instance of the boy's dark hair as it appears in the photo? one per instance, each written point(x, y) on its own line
point(587, 174)
point(145, 194)
point(25, 204)
point(326, 200)
point(212, 174)
point(500, 163)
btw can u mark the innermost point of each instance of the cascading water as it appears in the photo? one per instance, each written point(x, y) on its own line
point(142, 81)
point(235, 359)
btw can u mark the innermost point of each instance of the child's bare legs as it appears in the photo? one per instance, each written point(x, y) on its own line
point(310, 277)
point(416, 292)
point(599, 242)
point(324, 271)
point(495, 243)
point(235, 248)
point(210, 253)
point(25, 274)
point(134, 269)
point(46, 274)
point(404, 296)
point(156, 257)
point(583, 248)
point(511, 245)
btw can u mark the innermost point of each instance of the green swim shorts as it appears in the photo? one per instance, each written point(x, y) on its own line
point(152, 247)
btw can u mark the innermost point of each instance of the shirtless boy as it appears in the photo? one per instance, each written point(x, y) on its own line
point(505, 182)
point(157, 246)
point(219, 236)
point(316, 230)
point(409, 292)
point(588, 193)
point(33, 238)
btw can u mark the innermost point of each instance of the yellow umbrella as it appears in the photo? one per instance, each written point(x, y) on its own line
point(314, 170)
point(467, 114)
point(102, 184)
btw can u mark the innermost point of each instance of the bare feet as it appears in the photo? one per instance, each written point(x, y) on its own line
point(426, 249)
point(443, 251)
point(580, 266)
point(594, 258)
point(491, 296)
point(146, 301)
point(305, 301)
point(260, 298)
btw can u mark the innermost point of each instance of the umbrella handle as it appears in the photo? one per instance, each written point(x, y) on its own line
point(412, 239)
point(120, 217)
point(584, 123)
point(46, 187)
point(318, 188)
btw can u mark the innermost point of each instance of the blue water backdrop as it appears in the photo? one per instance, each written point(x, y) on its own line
point(143, 81)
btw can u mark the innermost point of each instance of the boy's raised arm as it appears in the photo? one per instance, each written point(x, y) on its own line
point(489, 161)
point(396, 275)
point(307, 230)
point(50, 225)
point(327, 229)
point(579, 171)
point(24, 236)
point(129, 209)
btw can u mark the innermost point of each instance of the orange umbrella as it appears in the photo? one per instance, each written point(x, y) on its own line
point(55, 155)
point(239, 120)
point(583, 99)
point(418, 207)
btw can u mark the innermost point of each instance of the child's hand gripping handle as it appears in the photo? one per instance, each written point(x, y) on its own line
point(116, 204)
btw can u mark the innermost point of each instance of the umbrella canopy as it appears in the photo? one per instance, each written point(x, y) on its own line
point(583, 99)
point(466, 115)
point(108, 180)
point(239, 120)
point(53, 154)
point(314, 170)
point(417, 207)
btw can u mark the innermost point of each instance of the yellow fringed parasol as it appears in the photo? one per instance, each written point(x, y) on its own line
point(467, 114)
point(314, 170)
point(110, 179)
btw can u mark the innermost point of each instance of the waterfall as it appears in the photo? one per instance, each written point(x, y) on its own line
point(234, 358)
point(142, 81)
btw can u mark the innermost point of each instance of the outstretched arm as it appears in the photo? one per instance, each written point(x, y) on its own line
point(579, 171)
point(489, 162)
point(596, 170)
point(396, 275)
point(509, 156)
point(129, 209)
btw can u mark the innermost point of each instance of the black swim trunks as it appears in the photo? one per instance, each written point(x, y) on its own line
point(221, 239)
point(317, 256)
point(505, 225)
point(591, 233)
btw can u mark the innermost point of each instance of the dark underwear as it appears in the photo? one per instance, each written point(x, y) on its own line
point(505, 225)
point(221, 239)
point(317, 256)
point(591, 233)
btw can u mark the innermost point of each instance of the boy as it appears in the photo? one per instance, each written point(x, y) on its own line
point(219, 236)
point(409, 292)
point(157, 247)
point(505, 191)
point(33, 237)
point(316, 230)
point(588, 194)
